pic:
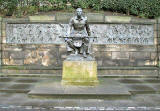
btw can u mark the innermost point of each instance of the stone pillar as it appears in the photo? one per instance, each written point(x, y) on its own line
point(79, 73)
point(158, 43)
point(0, 42)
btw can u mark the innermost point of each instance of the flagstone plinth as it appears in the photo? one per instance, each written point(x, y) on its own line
point(80, 72)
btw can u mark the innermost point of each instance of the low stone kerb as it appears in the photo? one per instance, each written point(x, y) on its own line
point(95, 17)
point(41, 18)
point(117, 19)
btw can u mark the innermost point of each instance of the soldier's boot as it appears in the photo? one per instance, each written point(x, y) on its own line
point(84, 54)
point(85, 50)
point(76, 51)
point(69, 52)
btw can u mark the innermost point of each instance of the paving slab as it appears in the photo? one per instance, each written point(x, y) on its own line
point(156, 87)
point(130, 81)
point(157, 80)
point(140, 88)
point(13, 87)
point(148, 94)
point(139, 80)
point(147, 100)
point(3, 85)
point(26, 80)
point(70, 103)
point(5, 79)
point(105, 89)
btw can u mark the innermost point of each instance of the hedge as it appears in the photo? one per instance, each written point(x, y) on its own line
point(141, 8)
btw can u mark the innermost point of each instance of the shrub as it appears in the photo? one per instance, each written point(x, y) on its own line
point(8, 6)
point(142, 8)
point(80, 3)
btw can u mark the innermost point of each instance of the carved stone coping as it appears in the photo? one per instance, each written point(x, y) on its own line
point(34, 67)
point(55, 22)
point(93, 18)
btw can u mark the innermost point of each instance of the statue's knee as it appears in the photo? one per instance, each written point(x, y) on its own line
point(86, 40)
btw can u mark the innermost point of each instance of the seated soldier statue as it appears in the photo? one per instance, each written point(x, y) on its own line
point(79, 32)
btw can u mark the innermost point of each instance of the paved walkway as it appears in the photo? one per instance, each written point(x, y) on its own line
point(145, 95)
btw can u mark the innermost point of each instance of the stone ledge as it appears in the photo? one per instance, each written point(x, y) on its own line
point(101, 73)
point(127, 19)
point(31, 71)
point(15, 20)
point(92, 17)
point(117, 19)
point(63, 17)
point(142, 73)
point(101, 91)
point(128, 68)
point(14, 91)
point(33, 67)
point(143, 21)
point(124, 48)
point(58, 75)
point(95, 17)
point(41, 18)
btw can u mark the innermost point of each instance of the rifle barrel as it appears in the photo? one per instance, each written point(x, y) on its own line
point(76, 37)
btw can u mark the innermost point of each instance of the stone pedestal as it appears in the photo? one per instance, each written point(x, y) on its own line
point(80, 73)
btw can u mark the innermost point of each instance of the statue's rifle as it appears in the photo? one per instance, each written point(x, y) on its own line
point(78, 37)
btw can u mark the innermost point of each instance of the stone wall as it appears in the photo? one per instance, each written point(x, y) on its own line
point(0, 40)
point(50, 56)
point(158, 40)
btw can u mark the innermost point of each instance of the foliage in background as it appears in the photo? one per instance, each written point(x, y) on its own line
point(8, 6)
point(141, 8)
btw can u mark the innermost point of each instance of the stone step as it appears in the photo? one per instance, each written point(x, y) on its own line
point(106, 89)
point(14, 90)
point(58, 75)
point(34, 67)
point(16, 79)
point(81, 96)
point(17, 84)
point(102, 71)
point(144, 88)
point(141, 86)
point(19, 71)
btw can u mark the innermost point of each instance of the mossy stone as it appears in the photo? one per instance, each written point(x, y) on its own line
point(80, 72)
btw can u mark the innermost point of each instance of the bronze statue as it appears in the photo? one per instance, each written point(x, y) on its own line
point(78, 40)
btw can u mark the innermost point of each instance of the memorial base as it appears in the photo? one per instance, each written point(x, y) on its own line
point(79, 73)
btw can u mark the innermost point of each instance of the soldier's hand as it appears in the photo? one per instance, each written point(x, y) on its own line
point(66, 39)
point(86, 40)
